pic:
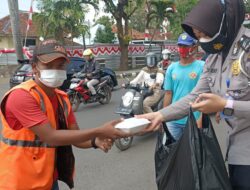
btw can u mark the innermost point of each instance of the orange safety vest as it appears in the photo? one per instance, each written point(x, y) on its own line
point(26, 162)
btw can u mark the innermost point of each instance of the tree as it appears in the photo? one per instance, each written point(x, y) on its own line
point(104, 32)
point(156, 11)
point(183, 7)
point(247, 4)
point(122, 11)
point(137, 21)
point(58, 18)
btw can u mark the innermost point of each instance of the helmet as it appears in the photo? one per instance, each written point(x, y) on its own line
point(166, 54)
point(87, 52)
point(151, 59)
point(186, 40)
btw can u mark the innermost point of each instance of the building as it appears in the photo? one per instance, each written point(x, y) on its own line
point(6, 39)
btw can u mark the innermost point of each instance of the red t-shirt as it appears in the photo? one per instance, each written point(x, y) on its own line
point(22, 110)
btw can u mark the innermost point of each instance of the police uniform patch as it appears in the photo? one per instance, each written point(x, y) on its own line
point(235, 67)
point(193, 75)
point(184, 37)
point(218, 46)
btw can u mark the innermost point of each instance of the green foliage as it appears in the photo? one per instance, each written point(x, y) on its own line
point(104, 34)
point(158, 11)
point(58, 18)
point(105, 21)
point(247, 4)
point(122, 11)
point(183, 7)
point(138, 20)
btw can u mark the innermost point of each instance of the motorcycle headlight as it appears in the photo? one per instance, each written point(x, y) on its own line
point(127, 99)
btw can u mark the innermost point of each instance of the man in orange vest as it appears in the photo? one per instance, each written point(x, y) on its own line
point(39, 127)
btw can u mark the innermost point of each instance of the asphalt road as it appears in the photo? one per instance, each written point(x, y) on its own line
point(132, 169)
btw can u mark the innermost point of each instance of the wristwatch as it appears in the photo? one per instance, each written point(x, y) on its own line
point(228, 109)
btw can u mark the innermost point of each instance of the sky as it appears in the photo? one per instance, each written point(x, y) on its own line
point(24, 5)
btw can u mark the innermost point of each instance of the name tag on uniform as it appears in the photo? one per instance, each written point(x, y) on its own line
point(212, 70)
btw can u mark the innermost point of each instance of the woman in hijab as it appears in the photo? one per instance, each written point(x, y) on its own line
point(224, 86)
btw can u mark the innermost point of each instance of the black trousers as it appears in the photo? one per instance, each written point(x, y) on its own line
point(239, 176)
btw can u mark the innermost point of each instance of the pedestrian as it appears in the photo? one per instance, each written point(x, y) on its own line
point(151, 76)
point(39, 127)
point(224, 85)
point(92, 70)
point(180, 79)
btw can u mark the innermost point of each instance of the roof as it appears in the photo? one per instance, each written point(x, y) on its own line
point(136, 35)
point(5, 25)
point(6, 30)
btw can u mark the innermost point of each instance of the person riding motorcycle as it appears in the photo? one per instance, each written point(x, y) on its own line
point(92, 70)
point(153, 77)
point(166, 59)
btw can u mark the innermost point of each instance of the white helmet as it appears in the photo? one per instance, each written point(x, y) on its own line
point(166, 54)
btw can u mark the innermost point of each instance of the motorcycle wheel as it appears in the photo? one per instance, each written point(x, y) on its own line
point(75, 101)
point(123, 143)
point(106, 92)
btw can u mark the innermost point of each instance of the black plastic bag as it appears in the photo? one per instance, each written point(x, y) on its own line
point(195, 162)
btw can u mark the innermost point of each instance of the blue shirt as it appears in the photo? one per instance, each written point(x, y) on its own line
point(181, 79)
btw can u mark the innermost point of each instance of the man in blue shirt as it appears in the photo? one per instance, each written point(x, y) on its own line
point(181, 78)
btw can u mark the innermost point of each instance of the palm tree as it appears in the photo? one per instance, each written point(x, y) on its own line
point(157, 11)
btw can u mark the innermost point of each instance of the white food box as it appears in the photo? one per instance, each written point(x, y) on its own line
point(133, 125)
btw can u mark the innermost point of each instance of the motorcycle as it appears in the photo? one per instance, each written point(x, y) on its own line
point(132, 104)
point(79, 93)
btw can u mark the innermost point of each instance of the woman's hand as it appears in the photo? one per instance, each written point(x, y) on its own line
point(109, 131)
point(209, 103)
point(156, 119)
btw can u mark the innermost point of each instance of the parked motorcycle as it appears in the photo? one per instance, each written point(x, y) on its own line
point(132, 104)
point(79, 93)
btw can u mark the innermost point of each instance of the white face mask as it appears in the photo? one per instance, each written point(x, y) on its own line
point(52, 78)
point(165, 56)
point(205, 40)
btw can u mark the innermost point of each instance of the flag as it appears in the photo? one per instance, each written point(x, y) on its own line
point(29, 23)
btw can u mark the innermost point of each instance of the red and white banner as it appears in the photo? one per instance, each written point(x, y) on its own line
point(105, 50)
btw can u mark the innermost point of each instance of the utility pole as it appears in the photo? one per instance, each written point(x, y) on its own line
point(14, 18)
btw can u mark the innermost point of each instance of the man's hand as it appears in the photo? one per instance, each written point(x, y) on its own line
point(156, 119)
point(209, 103)
point(109, 131)
point(104, 144)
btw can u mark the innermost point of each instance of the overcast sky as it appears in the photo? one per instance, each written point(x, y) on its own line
point(24, 5)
